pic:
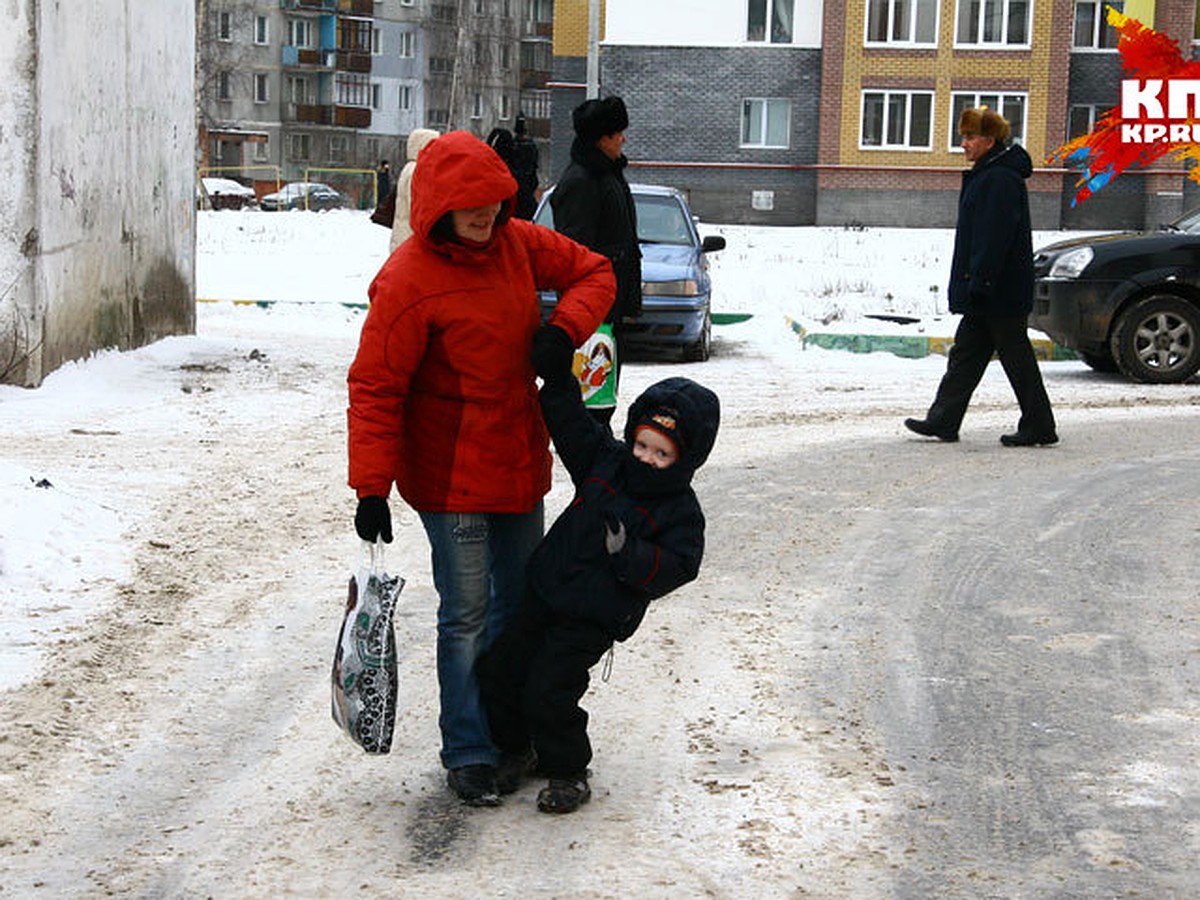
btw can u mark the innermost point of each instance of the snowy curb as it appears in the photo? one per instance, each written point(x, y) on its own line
point(913, 346)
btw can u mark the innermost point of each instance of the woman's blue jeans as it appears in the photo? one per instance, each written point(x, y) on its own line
point(479, 572)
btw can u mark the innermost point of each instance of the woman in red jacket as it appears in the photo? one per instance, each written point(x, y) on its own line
point(444, 405)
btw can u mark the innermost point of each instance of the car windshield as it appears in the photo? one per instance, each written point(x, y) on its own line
point(1189, 223)
point(662, 220)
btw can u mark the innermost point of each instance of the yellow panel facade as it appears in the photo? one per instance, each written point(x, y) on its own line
point(571, 27)
point(943, 68)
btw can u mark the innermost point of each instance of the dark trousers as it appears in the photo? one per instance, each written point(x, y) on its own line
point(976, 340)
point(532, 679)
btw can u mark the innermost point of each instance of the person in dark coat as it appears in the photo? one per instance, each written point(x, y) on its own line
point(633, 533)
point(592, 204)
point(524, 168)
point(383, 181)
point(991, 286)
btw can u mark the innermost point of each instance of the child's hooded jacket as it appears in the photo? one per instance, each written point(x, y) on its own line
point(664, 526)
point(443, 400)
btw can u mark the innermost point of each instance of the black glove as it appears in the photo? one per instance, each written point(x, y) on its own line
point(614, 534)
point(373, 520)
point(552, 352)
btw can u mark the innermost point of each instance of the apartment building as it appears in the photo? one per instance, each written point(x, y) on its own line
point(843, 111)
point(289, 88)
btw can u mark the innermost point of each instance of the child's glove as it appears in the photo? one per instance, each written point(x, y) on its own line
point(373, 520)
point(552, 352)
point(614, 534)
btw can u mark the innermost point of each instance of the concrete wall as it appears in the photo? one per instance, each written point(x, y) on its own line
point(98, 130)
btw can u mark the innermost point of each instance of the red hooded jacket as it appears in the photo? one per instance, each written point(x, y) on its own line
point(443, 401)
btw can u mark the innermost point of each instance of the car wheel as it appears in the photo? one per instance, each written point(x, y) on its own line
point(702, 349)
point(1100, 362)
point(1155, 340)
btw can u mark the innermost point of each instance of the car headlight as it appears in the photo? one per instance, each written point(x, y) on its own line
point(684, 287)
point(1071, 263)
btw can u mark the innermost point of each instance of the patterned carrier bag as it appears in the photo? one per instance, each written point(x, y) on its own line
point(363, 680)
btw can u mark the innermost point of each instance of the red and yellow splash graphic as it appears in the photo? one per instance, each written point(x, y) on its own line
point(1118, 142)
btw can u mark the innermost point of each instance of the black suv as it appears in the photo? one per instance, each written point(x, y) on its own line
point(1127, 302)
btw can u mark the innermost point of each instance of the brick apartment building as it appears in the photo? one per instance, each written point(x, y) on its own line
point(833, 112)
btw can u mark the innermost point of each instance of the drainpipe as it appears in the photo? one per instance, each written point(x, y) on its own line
point(593, 50)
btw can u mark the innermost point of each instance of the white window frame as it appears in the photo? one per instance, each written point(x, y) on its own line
point(893, 8)
point(376, 42)
point(1093, 112)
point(261, 151)
point(300, 146)
point(408, 44)
point(769, 19)
point(505, 107)
point(262, 31)
point(1099, 27)
point(224, 86)
point(376, 95)
point(1007, 103)
point(889, 98)
point(1005, 7)
point(298, 89)
point(339, 148)
point(262, 87)
point(764, 106)
point(225, 27)
point(408, 2)
point(300, 34)
point(406, 96)
point(477, 106)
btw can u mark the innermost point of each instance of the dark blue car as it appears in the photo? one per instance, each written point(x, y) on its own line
point(676, 288)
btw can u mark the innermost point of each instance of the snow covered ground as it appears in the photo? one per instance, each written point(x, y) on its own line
point(291, 277)
point(175, 535)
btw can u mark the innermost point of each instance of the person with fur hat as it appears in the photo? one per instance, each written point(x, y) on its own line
point(593, 205)
point(633, 533)
point(444, 405)
point(991, 287)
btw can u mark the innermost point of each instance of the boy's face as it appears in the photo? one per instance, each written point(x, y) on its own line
point(654, 448)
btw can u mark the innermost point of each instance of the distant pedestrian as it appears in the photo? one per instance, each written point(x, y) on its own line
point(383, 182)
point(593, 205)
point(401, 226)
point(525, 169)
point(991, 286)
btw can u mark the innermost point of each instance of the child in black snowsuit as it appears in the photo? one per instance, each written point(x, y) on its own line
point(633, 532)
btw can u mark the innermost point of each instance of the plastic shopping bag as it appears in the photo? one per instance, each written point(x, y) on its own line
point(363, 680)
point(595, 366)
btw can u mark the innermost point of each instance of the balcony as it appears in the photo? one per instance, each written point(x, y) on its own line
point(307, 57)
point(313, 114)
point(354, 60)
point(350, 7)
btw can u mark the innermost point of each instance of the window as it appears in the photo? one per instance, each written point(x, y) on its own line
point(477, 53)
point(440, 65)
point(1092, 31)
point(376, 96)
point(223, 92)
point(376, 42)
point(1081, 120)
point(300, 33)
point(261, 34)
point(439, 118)
point(896, 120)
point(406, 95)
point(902, 22)
point(1011, 106)
point(407, 44)
point(776, 12)
point(352, 90)
point(224, 26)
point(299, 146)
point(766, 122)
point(479, 7)
point(505, 57)
point(477, 106)
point(540, 11)
point(407, 2)
point(261, 94)
point(337, 148)
point(505, 107)
point(297, 89)
point(993, 23)
point(262, 151)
